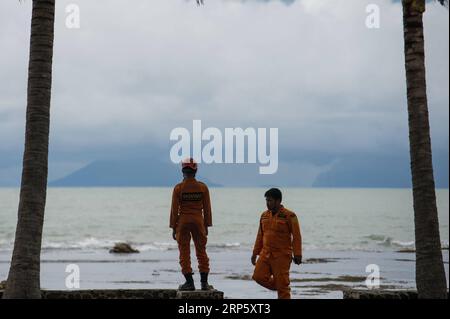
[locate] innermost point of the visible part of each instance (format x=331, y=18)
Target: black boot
x=189, y=284
x=204, y=281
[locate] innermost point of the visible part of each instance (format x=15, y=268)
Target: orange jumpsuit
x=278, y=239
x=190, y=214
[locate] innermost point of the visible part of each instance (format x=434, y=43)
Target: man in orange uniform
x=278, y=242
x=190, y=217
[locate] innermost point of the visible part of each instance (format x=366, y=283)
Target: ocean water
x=331, y=219
x=344, y=231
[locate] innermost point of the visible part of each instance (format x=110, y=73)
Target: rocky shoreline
x=380, y=294
x=130, y=294
x=198, y=294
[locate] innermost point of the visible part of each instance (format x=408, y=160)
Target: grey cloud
x=134, y=72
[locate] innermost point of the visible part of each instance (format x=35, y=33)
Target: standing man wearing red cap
x=190, y=217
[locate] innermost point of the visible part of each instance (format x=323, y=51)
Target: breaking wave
x=390, y=242
x=373, y=242
x=93, y=243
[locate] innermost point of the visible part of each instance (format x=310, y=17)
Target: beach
x=323, y=275
x=344, y=231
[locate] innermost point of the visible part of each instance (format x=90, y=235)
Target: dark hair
x=274, y=193
x=188, y=171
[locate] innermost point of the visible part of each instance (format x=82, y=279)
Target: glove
x=297, y=260
x=254, y=260
x=174, y=234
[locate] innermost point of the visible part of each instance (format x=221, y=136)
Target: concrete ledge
x=199, y=294
x=380, y=294
x=130, y=294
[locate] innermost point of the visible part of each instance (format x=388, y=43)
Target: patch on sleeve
x=192, y=197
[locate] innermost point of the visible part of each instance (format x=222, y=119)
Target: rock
x=407, y=250
x=350, y=293
x=2, y=285
x=200, y=294
x=123, y=248
x=110, y=294
x=130, y=294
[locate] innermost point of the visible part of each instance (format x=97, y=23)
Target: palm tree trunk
x=24, y=274
x=430, y=273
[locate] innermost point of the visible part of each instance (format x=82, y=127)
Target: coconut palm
x=24, y=273
x=430, y=273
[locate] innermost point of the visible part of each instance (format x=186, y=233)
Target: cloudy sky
x=136, y=70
